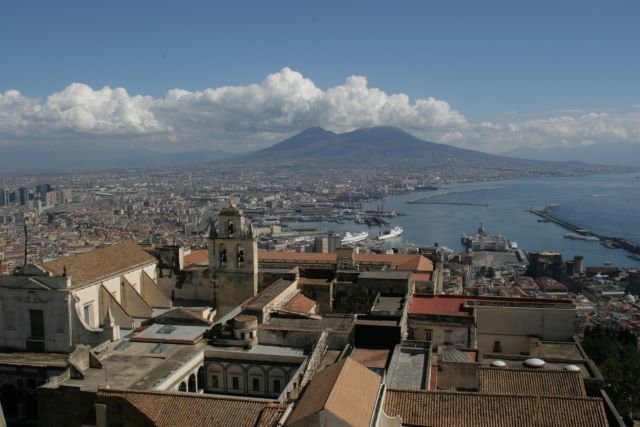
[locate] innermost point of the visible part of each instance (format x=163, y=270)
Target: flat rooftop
x=257, y=352
x=137, y=365
x=179, y=334
x=409, y=368
x=387, y=303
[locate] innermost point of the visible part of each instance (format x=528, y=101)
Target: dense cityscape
x=60, y=223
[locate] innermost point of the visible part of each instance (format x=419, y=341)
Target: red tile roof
x=531, y=382
x=438, y=305
x=417, y=263
x=100, y=264
x=300, y=304
x=346, y=389
x=454, y=304
x=179, y=409
x=199, y=257
x=371, y=357
x=428, y=408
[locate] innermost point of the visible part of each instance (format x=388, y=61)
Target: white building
x=80, y=299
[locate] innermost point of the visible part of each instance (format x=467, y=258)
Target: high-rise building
x=4, y=196
x=23, y=194
x=42, y=189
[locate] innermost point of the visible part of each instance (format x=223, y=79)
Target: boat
x=575, y=236
x=353, y=238
x=390, y=234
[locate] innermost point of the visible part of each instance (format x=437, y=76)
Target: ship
x=353, y=238
x=575, y=236
x=390, y=234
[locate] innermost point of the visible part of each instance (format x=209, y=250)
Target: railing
x=316, y=357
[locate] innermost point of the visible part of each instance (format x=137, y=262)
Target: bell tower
x=233, y=260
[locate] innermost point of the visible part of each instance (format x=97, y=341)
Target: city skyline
x=492, y=77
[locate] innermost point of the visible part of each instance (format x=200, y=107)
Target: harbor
x=583, y=234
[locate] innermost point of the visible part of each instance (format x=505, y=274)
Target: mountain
x=31, y=159
x=377, y=146
x=612, y=154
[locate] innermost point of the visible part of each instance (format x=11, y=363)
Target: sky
x=241, y=75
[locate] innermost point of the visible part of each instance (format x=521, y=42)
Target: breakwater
x=607, y=241
x=428, y=202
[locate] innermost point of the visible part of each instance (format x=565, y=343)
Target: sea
x=605, y=204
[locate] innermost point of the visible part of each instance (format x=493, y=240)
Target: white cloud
x=78, y=109
x=285, y=102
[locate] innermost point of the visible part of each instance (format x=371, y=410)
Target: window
x=497, y=347
x=235, y=383
x=255, y=385
x=36, y=318
x=240, y=256
x=428, y=334
x=223, y=256
x=447, y=336
x=276, y=386
x=86, y=313
x=215, y=382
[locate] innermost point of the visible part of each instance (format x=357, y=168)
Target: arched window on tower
x=230, y=229
x=240, y=256
x=223, y=256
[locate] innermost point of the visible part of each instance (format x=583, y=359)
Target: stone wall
x=65, y=406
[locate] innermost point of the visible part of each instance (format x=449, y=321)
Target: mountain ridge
x=381, y=144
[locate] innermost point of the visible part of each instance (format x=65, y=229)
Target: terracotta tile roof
x=421, y=277
x=177, y=409
x=199, y=257
x=300, y=304
x=531, y=382
x=454, y=304
x=401, y=262
x=314, y=281
x=429, y=408
x=421, y=304
x=100, y=264
x=371, y=357
x=347, y=389
x=277, y=256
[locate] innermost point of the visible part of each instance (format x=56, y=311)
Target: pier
x=607, y=241
x=427, y=202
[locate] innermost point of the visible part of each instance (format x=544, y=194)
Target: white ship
x=394, y=232
x=353, y=238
